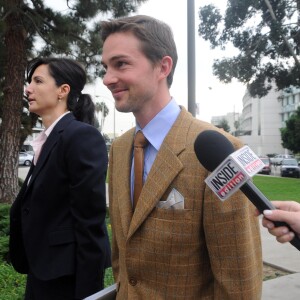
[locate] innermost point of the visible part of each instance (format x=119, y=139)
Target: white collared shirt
x=39, y=141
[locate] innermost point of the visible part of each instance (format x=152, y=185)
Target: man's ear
x=166, y=66
x=64, y=91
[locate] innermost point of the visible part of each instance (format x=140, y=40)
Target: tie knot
x=139, y=140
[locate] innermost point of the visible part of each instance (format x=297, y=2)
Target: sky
x=213, y=97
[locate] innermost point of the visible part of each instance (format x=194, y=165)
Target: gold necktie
x=140, y=142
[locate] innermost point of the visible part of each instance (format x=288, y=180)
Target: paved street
x=22, y=171
x=275, y=170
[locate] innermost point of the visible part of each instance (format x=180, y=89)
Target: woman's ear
x=64, y=91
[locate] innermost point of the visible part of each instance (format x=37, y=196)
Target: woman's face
x=42, y=92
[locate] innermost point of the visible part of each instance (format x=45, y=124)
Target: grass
x=108, y=279
x=278, y=188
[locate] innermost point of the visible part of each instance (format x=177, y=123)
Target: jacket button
x=132, y=281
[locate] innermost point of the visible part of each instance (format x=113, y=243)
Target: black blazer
x=57, y=223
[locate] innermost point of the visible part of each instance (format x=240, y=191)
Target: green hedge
x=12, y=284
x=4, y=230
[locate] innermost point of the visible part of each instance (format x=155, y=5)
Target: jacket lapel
x=122, y=162
x=166, y=167
x=49, y=144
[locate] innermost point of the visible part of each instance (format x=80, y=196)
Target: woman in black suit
x=58, y=234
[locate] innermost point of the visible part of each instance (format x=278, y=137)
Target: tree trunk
x=15, y=65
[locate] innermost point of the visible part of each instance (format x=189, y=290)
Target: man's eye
x=120, y=64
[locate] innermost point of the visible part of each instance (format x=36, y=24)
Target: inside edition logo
x=226, y=179
x=233, y=172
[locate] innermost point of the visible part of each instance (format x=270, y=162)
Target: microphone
x=231, y=171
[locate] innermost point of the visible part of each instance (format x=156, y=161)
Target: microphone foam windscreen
x=211, y=148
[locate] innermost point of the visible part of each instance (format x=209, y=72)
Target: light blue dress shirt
x=155, y=132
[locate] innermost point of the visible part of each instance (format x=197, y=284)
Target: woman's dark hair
x=68, y=71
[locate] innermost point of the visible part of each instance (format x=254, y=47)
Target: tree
x=290, y=135
x=101, y=107
x=237, y=125
x=267, y=35
x=224, y=125
x=73, y=32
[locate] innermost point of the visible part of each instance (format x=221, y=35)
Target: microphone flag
x=234, y=172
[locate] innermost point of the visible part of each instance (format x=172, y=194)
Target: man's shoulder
x=192, y=127
x=125, y=137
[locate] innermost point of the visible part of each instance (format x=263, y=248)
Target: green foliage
x=12, y=284
x=4, y=231
x=73, y=31
x=4, y=216
x=290, y=135
x=210, y=15
x=268, y=40
x=109, y=278
x=224, y=125
x=278, y=188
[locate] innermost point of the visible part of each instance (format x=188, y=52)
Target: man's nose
x=109, y=78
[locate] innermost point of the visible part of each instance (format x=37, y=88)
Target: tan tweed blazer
x=208, y=250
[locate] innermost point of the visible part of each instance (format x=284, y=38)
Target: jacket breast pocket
x=172, y=238
x=60, y=237
x=171, y=226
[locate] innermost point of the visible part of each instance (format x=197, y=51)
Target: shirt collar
x=157, y=129
x=50, y=128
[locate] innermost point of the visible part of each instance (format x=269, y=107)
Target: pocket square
x=174, y=201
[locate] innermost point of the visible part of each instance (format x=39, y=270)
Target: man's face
x=132, y=79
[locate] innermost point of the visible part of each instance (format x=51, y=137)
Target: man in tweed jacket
x=200, y=248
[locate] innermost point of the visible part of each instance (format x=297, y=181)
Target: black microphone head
x=211, y=148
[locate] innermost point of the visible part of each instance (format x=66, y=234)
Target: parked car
x=267, y=168
x=27, y=148
x=289, y=168
x=277, y=159
x=25, y=158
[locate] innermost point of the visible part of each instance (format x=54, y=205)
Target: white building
x=262, y=119
x=290, y=101
x=232, y=118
